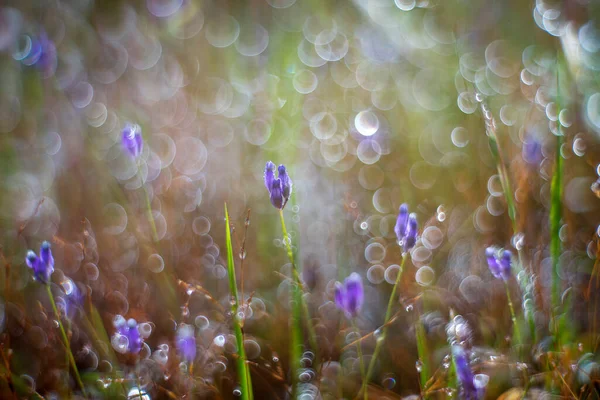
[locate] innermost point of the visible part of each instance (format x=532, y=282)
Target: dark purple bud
x=186, y=342
x=490, y=254
x=286, y=183
x=401, y=223
x=279, y=188
x=42, y=266
x=350, y=296
x=412, y=231
x=465, y=375
x=132, y=140
x=46, y=255
x=269, y=175
x=505, y=263
x=277, y=194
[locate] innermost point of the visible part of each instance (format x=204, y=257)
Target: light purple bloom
x=186, y=342
x=132, y=140
x=127, y=337
x=500, y=267
x=406, y=228
x=350, y=295
x=532, y=151
x=279, y=188
x=490, y=254
x=42, y=266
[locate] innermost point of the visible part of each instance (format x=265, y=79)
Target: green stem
x=381, y=338
x=242, y=366
x=513, y=316
x=297, y=307
x=65, y=341
x=423, y=354
x=359, y=350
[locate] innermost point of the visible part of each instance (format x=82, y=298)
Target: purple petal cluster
x=131, y=140
x=186, y=342
x=469, y=391
x=406, y=228
x=127, y=337
x=42, y=266
x=499, y=262
x=350, y=296
x=280, y=187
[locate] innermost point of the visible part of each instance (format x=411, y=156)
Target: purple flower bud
x=132, y=140
x=412, y=231
x=279, y=188
x=129, y=330
x=401, y=222
x=42, y=266
x=276, y=194
x=500, y=268
x=505, y=263
x=465, y=375
x=490, y=254
x=286, y=182
x=349, y=297
x=407, y=228
x=186, y=342
x=269, y=175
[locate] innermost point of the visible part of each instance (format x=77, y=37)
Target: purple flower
x=500, y=267
x=186, y=342
x=42, y=266
x=279, y=188
x=532, y=151
x=350, y=295
x=132, y=140
x=127, y=339
x=467, y=380
x=406, y=228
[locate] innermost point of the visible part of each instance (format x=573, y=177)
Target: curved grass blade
x=242, y=366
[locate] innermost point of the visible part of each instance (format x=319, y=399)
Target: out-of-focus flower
x=406, y=228
x=469, y=390
x=350, y=295
x=127, y=338
x=279, y=188
x=500, y=267
x=186, y=342
x=132, y=140
x=42, y=266
x=532, y=151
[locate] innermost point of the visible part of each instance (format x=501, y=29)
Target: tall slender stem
x=65, y=340
x=380, y=339
x=513, y=315
x=299, y=306
x=359, y=350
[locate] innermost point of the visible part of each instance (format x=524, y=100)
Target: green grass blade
x=556, y=211
x=242, y=367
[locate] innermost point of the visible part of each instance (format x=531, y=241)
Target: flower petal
x=269, y=175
